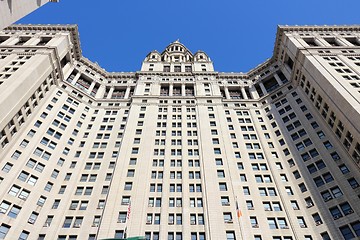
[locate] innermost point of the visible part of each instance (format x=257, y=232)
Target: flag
x=127, y=217
x=128, y=211
x=238, y=211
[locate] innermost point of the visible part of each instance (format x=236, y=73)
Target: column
x=253, y=92
x=317, y=42
x=127, y=93
x=76, y=78
x=33, y=41
x=183, y=90
x=278, y=79
x=101, y=91
x=110, y=93
x=67, y=69
x=171, y=86
x=227, y=94
x=92, y=85
x=243, y=92
x=11, y=41
x=263, y=89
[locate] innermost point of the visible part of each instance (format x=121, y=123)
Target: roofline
x=74, y=32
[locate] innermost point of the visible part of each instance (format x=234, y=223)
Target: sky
x=236, y=34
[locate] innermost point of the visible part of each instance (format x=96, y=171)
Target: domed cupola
x=176, y=52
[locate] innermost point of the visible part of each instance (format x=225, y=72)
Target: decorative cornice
x=281, y=31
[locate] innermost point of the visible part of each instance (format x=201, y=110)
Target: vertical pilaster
x=243, y=92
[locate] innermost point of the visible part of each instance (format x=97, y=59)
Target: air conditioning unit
x=295, y=208
x=302, y=225
x=229, y=221
x=193, y=222
x=31, y=221
x=284, y=227
x=226, y=204
x=171, y=223
x=150, y=205
x=349, y=211
x=148, y=222
x=318, y=223
x=267, y=209
x=309, y=205
x=22, y=197
x=250, y=208
x=95, y=225
x=178, y=205
x=72, y=208
x=255, y=226
x=3, y=211
x=121, y=220
x=328, y=198
x=77, y=225
x=46, y=225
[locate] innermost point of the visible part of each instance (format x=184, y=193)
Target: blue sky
x=236, y=34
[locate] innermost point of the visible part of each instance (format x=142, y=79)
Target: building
x=178, y=150
x=13, y=10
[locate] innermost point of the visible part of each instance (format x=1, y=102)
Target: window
x=56, y=204
x=346, y=232
x=344, y=169
x=4, y=206
x=7, y=167
x=356, y=227
x=227, y=217
x=67, y=222
x=353, y=183
x=41, y=201
x=272, y=223
x=336, y=192
x=335, y=212
x=16, y=155
x=301, y=222
x=222, y=187
x=33, y=217
x=4, y=230
x=246, y=190
x=276, y=206
x=88, y=190
x=230, y=235
x=346, y=208
x=48, y=186
x=14, y=211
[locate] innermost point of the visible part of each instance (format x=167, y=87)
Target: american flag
x=238, y=211
x=128, y=211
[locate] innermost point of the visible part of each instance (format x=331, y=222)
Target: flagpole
x=239, y=215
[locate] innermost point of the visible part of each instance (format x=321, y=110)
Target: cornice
x=281, y=31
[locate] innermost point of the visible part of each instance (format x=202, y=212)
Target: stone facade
x=181, y=142
x=13, y=10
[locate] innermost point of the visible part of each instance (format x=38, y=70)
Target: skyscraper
x=13, y=10
x=178, y=150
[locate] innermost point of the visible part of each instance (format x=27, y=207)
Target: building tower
x=192, y=153
x=13, y=10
